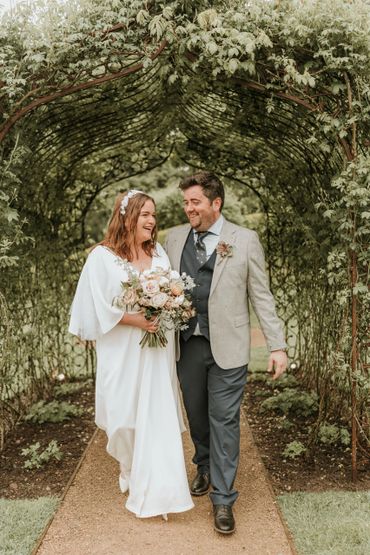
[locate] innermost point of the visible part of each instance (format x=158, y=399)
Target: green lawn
x=330, y=523
x=22, y=522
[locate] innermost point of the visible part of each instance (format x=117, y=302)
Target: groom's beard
x=201, y=223
x=195, y=221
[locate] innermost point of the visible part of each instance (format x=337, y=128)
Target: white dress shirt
x=210, y=241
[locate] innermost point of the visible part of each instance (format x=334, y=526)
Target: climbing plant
x=273, y=95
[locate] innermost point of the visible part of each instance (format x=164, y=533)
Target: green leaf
x=212, y=47
x=233, y=65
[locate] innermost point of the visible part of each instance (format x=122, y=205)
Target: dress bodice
x=93, y=313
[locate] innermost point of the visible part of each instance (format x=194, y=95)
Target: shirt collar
x=216, y=227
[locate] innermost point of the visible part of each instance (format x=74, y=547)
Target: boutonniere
x=224, y=250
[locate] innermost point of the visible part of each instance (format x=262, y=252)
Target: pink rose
x=177, y=288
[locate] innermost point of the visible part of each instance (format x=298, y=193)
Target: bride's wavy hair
x=121, y=233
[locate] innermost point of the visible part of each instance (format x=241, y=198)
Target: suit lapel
x=228, y=236
x=178, y=246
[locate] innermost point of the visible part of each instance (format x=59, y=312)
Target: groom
x=227, y=264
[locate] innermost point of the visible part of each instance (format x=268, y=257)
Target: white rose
x=177, y=301
x=159, y=300
x=150, y=287
x=163, y=281
x=174, y=274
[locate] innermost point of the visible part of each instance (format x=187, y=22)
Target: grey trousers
x=212, y=399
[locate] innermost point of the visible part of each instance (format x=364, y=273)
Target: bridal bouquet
x=160, y=293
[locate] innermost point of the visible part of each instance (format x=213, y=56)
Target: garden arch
x=272, y=95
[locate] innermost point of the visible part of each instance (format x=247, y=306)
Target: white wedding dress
x=137, y=397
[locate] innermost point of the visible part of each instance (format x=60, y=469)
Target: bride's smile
x=146, y=223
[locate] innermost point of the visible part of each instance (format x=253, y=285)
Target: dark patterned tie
x=200, y=247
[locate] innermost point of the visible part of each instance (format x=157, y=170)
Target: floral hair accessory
x=225, y=250
x=126, y=199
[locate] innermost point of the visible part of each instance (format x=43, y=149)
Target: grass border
x=65, y=491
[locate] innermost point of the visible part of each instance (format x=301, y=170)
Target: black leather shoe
x=200, y=484
x=224, y=520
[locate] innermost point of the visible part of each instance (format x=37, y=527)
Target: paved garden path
x=92, y=519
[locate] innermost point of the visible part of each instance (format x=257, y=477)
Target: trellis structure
x=273, y=95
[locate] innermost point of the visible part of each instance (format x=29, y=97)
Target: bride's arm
x=138, y=320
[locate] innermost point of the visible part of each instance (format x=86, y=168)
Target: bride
x=137, y=402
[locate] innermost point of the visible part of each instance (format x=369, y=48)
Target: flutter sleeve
x=92, y=311
x=161, y=257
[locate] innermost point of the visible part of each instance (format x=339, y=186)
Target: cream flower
x=163, y=281
x=150, y=287
x=178, y=300
x=159, y=300
x=130, y=297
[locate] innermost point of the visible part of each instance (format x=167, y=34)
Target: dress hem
x=167, y=511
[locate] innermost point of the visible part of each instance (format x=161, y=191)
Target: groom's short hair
x=210, y=183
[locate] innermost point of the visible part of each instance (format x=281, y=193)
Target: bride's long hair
x=121, y=233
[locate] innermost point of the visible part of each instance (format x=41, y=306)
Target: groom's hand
x=278, y=362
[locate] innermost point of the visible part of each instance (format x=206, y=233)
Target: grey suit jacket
x=235, y=280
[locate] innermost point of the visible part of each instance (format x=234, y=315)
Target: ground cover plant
x=36, y=457
x=283, y=431
x=53, y=411
x=39, y=459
